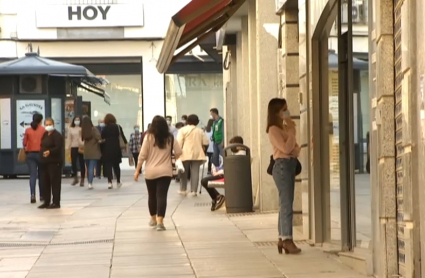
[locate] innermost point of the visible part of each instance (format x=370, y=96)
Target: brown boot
x=290, y=247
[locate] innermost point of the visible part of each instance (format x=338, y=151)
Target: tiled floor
x=104, y=233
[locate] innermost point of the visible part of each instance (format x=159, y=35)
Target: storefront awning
x=192, y=24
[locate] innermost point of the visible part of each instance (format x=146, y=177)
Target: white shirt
x=211, y=145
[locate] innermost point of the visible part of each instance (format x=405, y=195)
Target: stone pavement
x=104, y=233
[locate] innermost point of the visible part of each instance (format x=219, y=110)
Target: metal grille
x=274, y=243
x=398, y=113
x=202, y=204
x=248, y=214
x=19, y=245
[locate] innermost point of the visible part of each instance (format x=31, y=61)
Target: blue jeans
x=218, y=150
x=284, y=178
x=33, y=161
x=91, y=165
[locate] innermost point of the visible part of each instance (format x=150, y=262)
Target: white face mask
x=168, y=122
x=286, y=114
x=77, y=123
x=184, y=122
x=49, y=128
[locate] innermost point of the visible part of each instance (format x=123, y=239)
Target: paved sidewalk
x=104, y=233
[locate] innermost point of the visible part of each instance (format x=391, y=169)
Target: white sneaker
x=90, y=186
x=193, y=194
x=182, y=192
x=119, y=184
x=109, y=185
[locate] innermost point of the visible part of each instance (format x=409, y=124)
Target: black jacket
x=111, y=151
x=55, y=144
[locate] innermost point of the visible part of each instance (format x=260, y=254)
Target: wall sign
x=6, y=125
x=76, y=16
x=24, y=111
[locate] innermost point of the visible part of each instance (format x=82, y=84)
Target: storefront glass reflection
x=193, y=94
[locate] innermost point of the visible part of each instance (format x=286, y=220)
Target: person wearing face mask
x=184, y=119
x=217, y=136
x=75, y=145
x=172, y=128
x=135, y=144
x=99, y=165
x=51, y=158
x=282, y=135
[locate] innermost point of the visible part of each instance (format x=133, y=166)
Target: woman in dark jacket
x=112, y=151
x=51, y=158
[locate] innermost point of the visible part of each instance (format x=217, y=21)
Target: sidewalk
x=104, y=233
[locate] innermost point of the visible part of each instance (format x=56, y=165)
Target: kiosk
x=33, y=84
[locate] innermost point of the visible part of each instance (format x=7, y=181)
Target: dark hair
x=179, y=125
x=36, y=120
x=160, y=130
x=192, y=120
x=273, y=119
x=73, y=120
x=168, y=117
x=214, y=110
x=184, y=117
x=209, y=125
x=236, y=140
x=109, y=119
x=86, y=129
x=50, y=120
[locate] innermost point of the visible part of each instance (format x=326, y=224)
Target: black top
x=111, y=151
x=53, y=143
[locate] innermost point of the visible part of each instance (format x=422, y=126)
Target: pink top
x=284, y=142
x=32, y=139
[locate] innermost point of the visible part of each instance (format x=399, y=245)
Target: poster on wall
x=57, y=113
x=25, y=109
x=6, y=128
x=69, y=115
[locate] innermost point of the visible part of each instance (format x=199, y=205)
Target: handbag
x=173, y=159
x=22, y=155
x=122, y=143
x=298, y=167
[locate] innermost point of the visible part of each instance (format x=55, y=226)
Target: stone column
x=153, y=92
x=266, y=30
x=244, y=100
x=383, y=143
x=290, y=87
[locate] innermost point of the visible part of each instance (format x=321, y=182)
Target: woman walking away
x=193, y=142
x=32, y=143
x=51, y=154
x=75, y=145
x=91, y=137
x=156, y=151
x=281, y=131
x=210, y=150
x=112, y=149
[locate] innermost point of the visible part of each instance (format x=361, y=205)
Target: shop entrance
x=341, y=106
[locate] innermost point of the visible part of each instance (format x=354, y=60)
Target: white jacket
x=191, y=140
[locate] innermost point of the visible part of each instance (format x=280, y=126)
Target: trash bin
x=238, y=182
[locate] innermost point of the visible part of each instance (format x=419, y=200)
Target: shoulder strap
x=172, y=145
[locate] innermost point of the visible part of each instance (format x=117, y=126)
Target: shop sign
x=25, y=109
x=77, y=16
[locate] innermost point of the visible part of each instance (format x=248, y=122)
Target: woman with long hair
x=210, y=150
x=282, y=136
x=74, y=145
x=91, y=137
x=51, y=157
x=156, y=151
x=112, y=150
x=192, y=141
x=32, y=144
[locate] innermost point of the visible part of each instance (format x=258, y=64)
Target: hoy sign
x=77, y=16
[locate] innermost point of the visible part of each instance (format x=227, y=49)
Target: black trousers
x=157, y=191
x=100, y=169
x=52, y=182
x=210, y=156
x=77, y=157
x=136, y=161
x=108, y=167
x=212, y=191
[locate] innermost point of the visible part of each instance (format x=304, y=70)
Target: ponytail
x=36, y=120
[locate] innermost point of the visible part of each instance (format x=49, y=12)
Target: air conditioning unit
x=355, y=11
x=30, y=84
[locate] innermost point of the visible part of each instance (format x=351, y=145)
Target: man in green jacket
x=217, y=136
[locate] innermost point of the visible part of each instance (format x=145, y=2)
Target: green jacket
x=218, y=131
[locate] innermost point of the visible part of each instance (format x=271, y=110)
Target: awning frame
x=176, y=38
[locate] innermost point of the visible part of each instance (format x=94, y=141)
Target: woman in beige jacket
x=193, y=142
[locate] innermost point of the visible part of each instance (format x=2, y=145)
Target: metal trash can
x=238, y=182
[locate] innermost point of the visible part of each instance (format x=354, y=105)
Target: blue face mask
x=102, y=124
x=50, y=128
x=77, y=123
x=136, y=130
x=286, y=114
